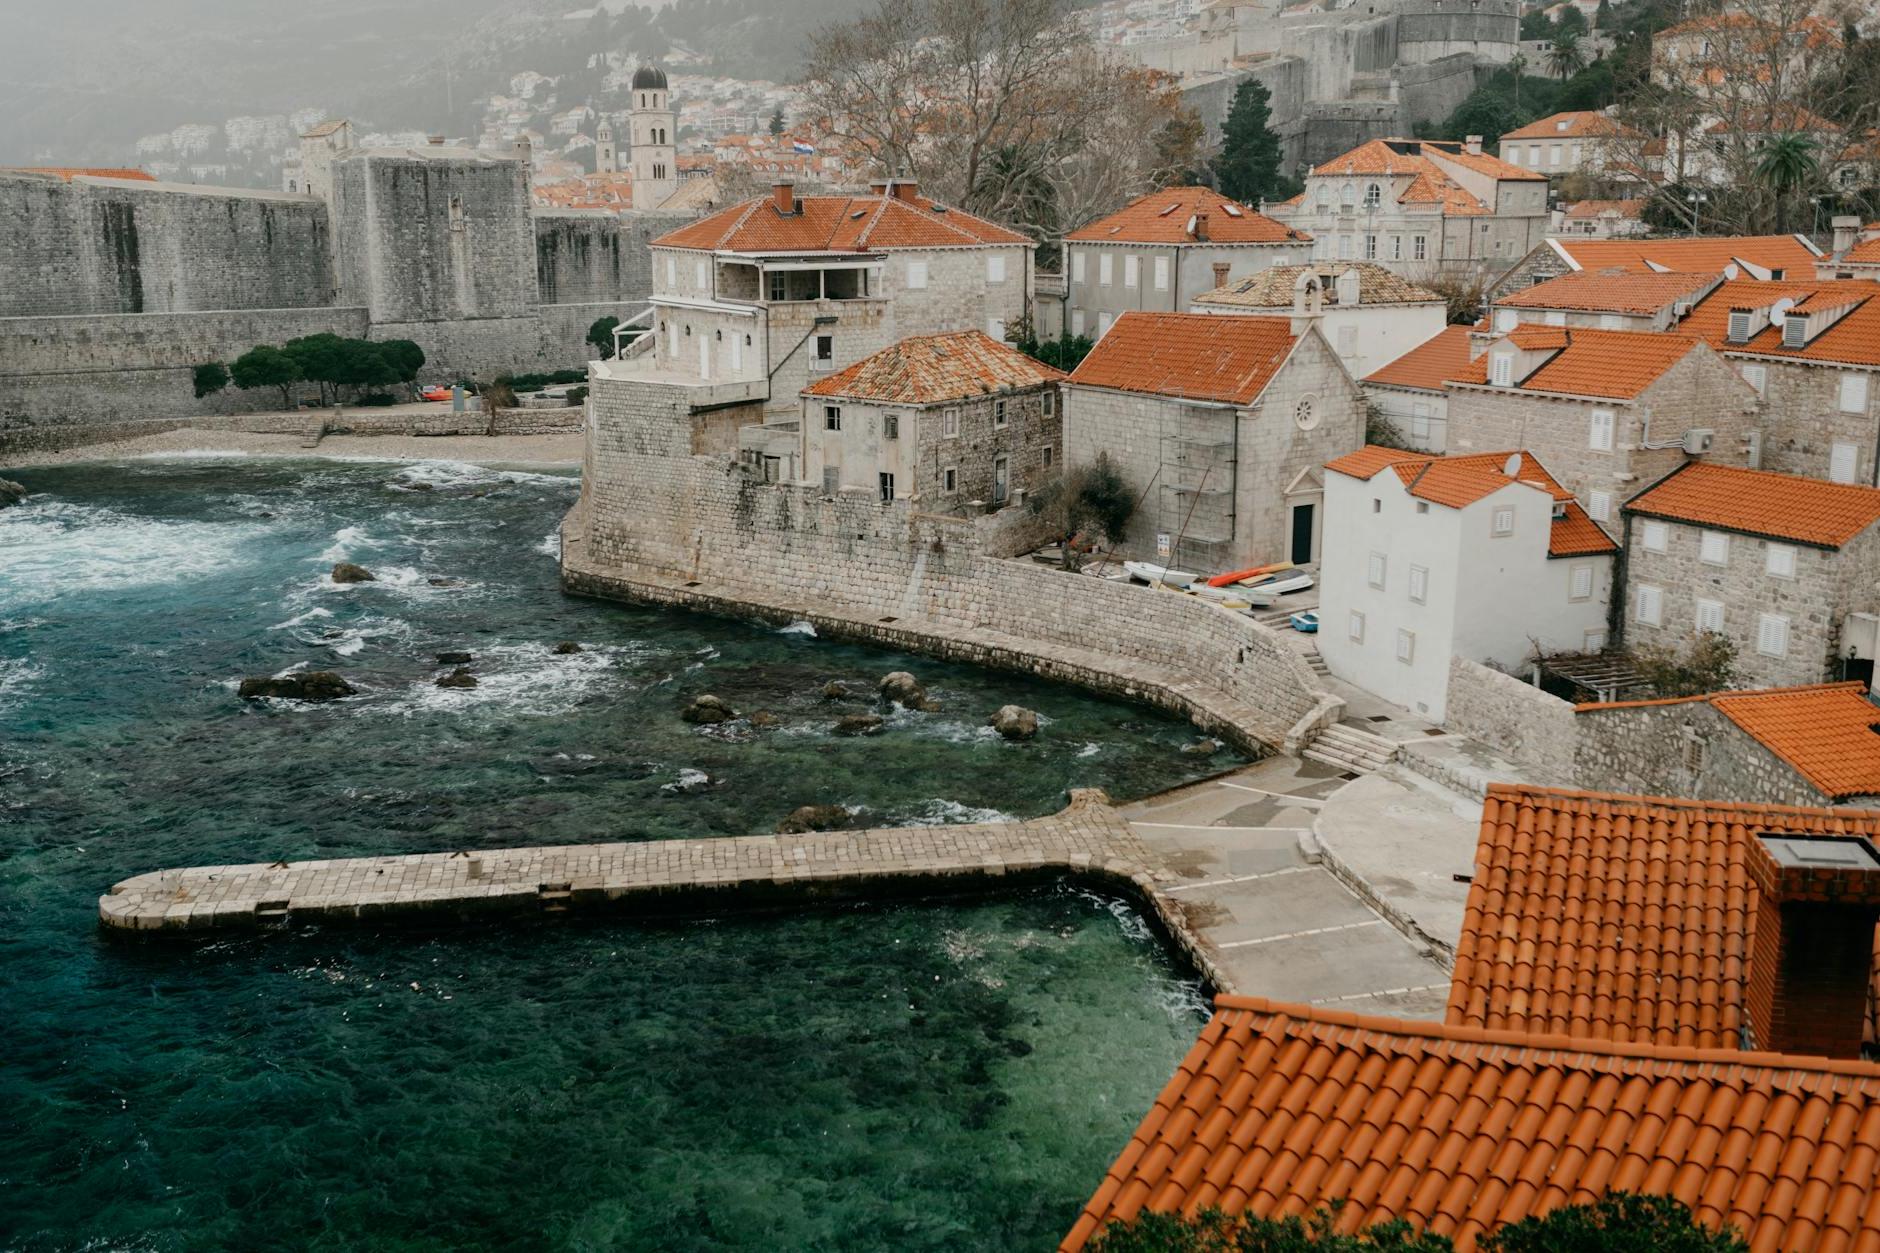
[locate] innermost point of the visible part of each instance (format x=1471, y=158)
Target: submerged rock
x=708, y=708
x=689, y=781
x=814, y=818
x=1202, y=748
x=347, y=572
x=434, y=582
x=304, y=685
x=454, y=659
x=460, y=677
x=763, y=719
x=567, y=648
x=11, y=493
x=1014, y=722
x=903, y=689
x=836, y=689
x=859, y=724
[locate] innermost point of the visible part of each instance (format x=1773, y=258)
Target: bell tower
x=606, y=156
x=653, y=123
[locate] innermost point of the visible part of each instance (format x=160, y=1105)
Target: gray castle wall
x=117, y=246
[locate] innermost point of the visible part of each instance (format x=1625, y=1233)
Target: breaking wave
x=50, y=547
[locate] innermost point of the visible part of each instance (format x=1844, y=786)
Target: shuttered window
x=995, y=267
x=1599, y=505
x=1161, y=273
x=1713, y=549
x=1841, y=463
x=1419, y=584
x=1853, y=393
x=1077, y=267
x=1779, y=560
x=1656, y=537
x=1106, y=269
x=1772, y=635
x=1649, y=608
x=1600, y=435
x=1581, y=587
x=1710, y=616
x=916, y=275
x=1376, y=576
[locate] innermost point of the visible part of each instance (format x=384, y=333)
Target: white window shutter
x=1714, y=548
x=1582, y=582
x=1772, y=635
x=1657, y=537
x=1504, y=369
x=1077, y=267
x=1710, y=616
x=1106, y=268
x=1161, y=273
x=1599, y=505
x=1648, y=607
x=995, y=267
x=916, y=275
x=1779, y=560
x=1853, y=393
x=1601, y=431
x=1841, y=463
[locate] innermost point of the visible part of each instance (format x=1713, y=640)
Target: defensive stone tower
x=653, y=123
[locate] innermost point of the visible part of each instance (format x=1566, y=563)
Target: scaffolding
x=1195, y=508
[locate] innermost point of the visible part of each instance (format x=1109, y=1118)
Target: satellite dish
x=1512, y=467
x=1781, y=307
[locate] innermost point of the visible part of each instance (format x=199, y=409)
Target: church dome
x=649, y=77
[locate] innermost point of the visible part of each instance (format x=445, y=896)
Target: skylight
x=1232, y=210
x=1168, y=210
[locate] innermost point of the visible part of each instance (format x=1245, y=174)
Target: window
x=1534, y=154
x=891, y=426
x=1772, y=635
x=887, y=488
x=950, y=478
x=998, y=413
x=1354, y=627
x=1841, y=463
x=1710, y=616
x=1077, y=267
x=1599, y=506
x=1420, y=419
x=1396, y=247
x=1553, y=154
x=1693, y=752
x=1049, y=456
x=1504, y=369
x=1656, y=537
x=832, y=418
x=1001, y=480
x=1373, y=196
x=1104, y=319
x=1649, y=607
x=701, y=275
x=672, y=271
x=1132, y=270
x=1106, y=266
x=950, y=424
x=1377, y=506
x=1406, y=646
x=1741, y=320
x=1419, y=247
x=1344, y=247
x=1347, y=197
x=1580, y=582
x=995, y=330
x=1077, y=322
x=1503, y=523
x=1757, y=376
x=1161, y=273
x=1376, y=575
x=1779, y=561
x=1599, y=435
x=1514, y=154
x=778, y=288
x=916, y=275
x=1050, y=404
x=1423, y=506
x=995, y=267
x=1713, y=548
x=1592, y=641
x=1853, y=393
x=1419, y=585
x=825, y=349
x=1370, y=247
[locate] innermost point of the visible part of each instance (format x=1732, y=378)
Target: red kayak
x=1253, y=572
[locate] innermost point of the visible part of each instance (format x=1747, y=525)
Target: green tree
x=265, y=366
x=406, y=357
x=1787, y=164
x=1618, y=1222
x=1566, y=58
x=601, y=335
x=211, y=377
x=1707, y=665
x=1084, y=505
x=776, y=121
x=1570, y=22
x=1248, y=167
x=1063, y=353
x=361, y=364
x=322, y=359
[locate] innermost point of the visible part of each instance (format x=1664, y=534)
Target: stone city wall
x=658, y=524
x=1510, y=715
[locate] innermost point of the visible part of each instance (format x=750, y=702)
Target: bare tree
x=870, y=82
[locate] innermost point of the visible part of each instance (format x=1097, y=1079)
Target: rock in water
x=814, y=818
x=347, y=572
x=859, y=724
x=305, y=685
x=903, y=689
x=11, y=493
x=708, y=709
x=567, y=648
x=764, y=719
x=1014, y=722
x=836, y=689
x=460, y=677
x=454, y=659
x=1202, y=748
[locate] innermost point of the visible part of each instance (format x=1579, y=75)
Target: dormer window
x=1561, y=125
x=1795, y=331
x=1739, y=326
x=1503, y=373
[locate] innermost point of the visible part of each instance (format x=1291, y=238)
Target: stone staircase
x=1347, y=748
x=1316, y=660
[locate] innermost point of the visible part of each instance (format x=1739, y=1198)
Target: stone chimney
x=1221, y=271
x=783, y=196
x=1846, y=234
x=1200, y=229
x=1811, y=962
x=1472, y=145
x=904, y=189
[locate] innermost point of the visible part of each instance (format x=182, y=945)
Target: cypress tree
x=1248, y=167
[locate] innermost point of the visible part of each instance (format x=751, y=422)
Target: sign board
x=1163, y=544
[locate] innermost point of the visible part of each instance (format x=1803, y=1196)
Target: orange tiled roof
x=70, y=172
x=1580, y=124
x=1163, y=217
x=1457, y=482
x=1484, y=162
x=1607, y=364
x=1194, y=355
x=1853, y=340
x=1785, y=253
x=933, y=369
x=1867, y=252
x=838, y=224
x=1430, y=364
x=1597, y=208
x=1760, y=502
x=1281, y=1109
x=1616, y=291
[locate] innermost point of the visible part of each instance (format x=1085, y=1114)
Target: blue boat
x=1306, y=621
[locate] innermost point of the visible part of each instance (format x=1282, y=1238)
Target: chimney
x=1308, y=301
x=1811, y=963
x=1221, y=269
x=1846, y=233
x=783, y=196
x=1201, y=226
x=1473, y=145
x=904, y=189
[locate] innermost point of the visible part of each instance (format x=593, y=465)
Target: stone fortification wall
x=106, y=246
x=1511, y=715
x=657, y=523
x=588, y=255
x=1429, y=29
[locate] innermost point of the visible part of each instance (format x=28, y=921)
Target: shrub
x=577, y=395
x=211, y=377
x=376, y=400
x=1087, y=499
x=601, y=335
x=267, y=367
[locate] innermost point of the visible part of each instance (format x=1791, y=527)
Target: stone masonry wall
x=1512, y=715
x=588, y=256
x=654, y=516
x=1651, y=749
x=1803, y=421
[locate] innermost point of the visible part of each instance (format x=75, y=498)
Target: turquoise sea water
x=916, y=1076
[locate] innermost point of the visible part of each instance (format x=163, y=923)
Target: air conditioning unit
x=1698, y=441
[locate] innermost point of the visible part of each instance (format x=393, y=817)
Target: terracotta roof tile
x=1280, y=1109
x=933, y=369
x=1853, y=340
x=1272, y=288
x=1617, y=291
x=838, y=224
x=1430, y=364
x=1622, y=918
x=1761, y=502
x=1826, y=732
x=1164, y=217
x=1579, y=124
x=1598, y=208
x=1577, y=535
x=1195, y=355
x=1867, y=252
x=1457, y=482
x=1587, y=362
x=1788, y=254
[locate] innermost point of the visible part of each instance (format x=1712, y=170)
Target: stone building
x=1161, y=250
x=653, y=136
x=950, y=422
x=1605, y=411
x=1606, y=300
x=1575, y=142
x=1421, y=207
x=1370, y=315
x=1604, y=219
x=1224, y=424
x=1483, y=557
x=1786, y=568
x=1733, y=256
x=1856, y=252
x=1411, y=393
x=606, y=152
